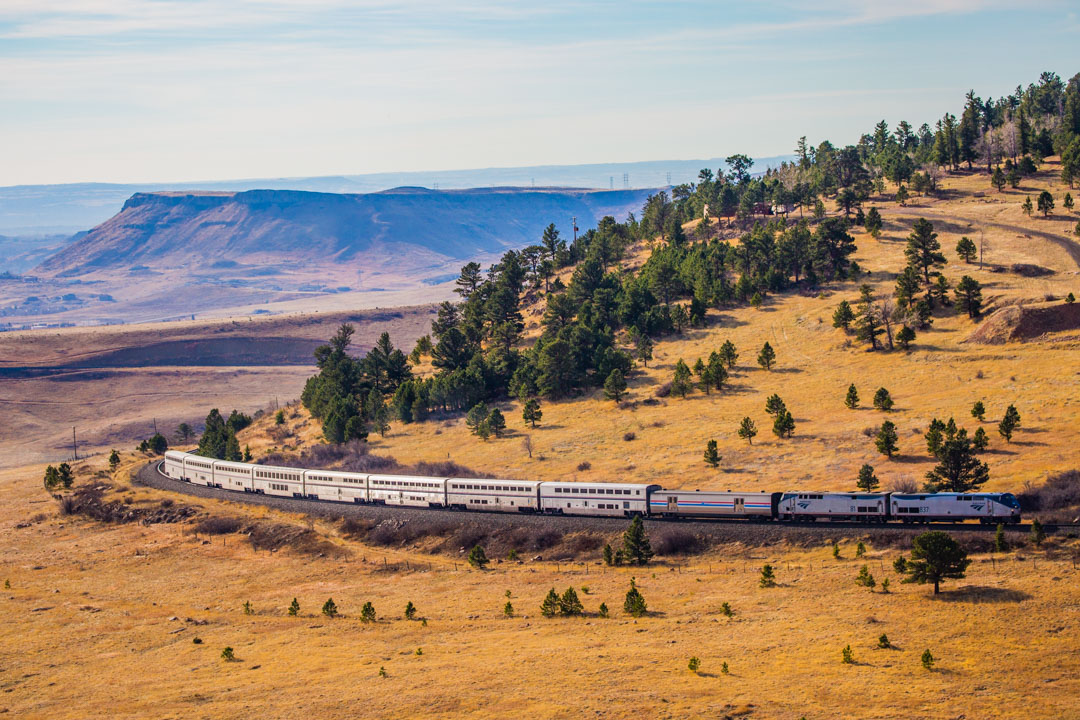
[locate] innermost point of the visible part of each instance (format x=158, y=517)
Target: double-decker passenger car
x=495, y=495
x=577, y=498
x=199, y=470
x=174, y=464
x=697, y=503
x=407, y=490
x=281, y=481
x=939, y=507
x=810, y=506
x=234, y=475
x=336, y=486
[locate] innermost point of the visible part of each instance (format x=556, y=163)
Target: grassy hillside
x=941, y=376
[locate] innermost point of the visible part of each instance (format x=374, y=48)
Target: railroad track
x=151, y=475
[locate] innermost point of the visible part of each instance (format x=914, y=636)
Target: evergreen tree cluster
x=219, y=437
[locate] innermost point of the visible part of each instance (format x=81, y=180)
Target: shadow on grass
x=983, y=594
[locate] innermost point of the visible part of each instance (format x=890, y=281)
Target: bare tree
x=526, y=444
x=886, y=312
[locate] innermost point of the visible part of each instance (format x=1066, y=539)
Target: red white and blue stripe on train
x=585, y=498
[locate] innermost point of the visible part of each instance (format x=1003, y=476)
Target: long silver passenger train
x=588, y=498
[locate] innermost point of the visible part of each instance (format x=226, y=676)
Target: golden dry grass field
x=102, y=622
x=101, y=619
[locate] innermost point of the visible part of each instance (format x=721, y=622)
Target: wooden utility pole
x=74, y=445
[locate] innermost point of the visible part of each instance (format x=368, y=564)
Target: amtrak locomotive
x=584, y=498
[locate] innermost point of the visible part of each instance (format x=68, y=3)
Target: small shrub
x=512, y=556
x=410, y=610
x=835, y=550
x=634, y=604
x=724, y=668
x=865, y=579
x=248, y=610
x=860, y=549
x=329, y=608
x=382, y=672
x=294, y=608
x=883, y=642
x=885, y=586
x=900, y=565
x=196, y=640
x=928, y=659
x=508, y=609
x=663, y=390
x=726, y=610
x=367, y=613
x=1038, y=535
x=768, y=577
x=694, y=664
x=1001, y=545
x=629, y=436
x=419, y=652
x=478, y=558
x=227, y=654
x=846, y=656
x=603, y=610
x=584, y=465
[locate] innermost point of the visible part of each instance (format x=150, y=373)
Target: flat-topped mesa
x=188, y=229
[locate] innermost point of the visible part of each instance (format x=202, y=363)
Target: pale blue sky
x=172, y=90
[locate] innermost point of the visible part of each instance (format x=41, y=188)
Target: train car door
x=740, y=506
x=672, y=504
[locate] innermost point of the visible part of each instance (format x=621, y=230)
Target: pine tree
x=886, y=439
x=532, y=413
x=508, y=609
x=865, y=579
x=1046, y=203
x=294, y=608
x=550, y=606
x=873, y=222
x=969, y=296
x=680, y=383
x=1001, y=545
x=867, y=481
x=843, y=316
x=851, y=400
x=694, y=664
x=978, y=411
x=367, y=613
x=928, y=657
x=774, y=405
x=728, y=354
x=634, y=604
x=1038, y=535
x=329, y=608
x=902, y=195
x=747, y=430
x=882, y=400
x=923, y=249
x=997, y=179
x=478, y=558
x=569, y=604
x=869, y=326
x=768, y=577
x=1027, y=206
x=935, y=437
x=935, y=556
x=715, y=369
x=114, y=460
x=1009, y=423
x=980, y=440
x=496, y=422
x=609, y=556
x=958, y=469
x=783, y=425
x=712, y=456
x=908, y=285
x=636, y=547
x=767, y=357
x=883, y=642
x=615, y=385
x=905, y=337
x=410, y=610
x=228, y=655
x=65, y=476
x=603, y=610
x=966, y=249
x=1068, y=203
